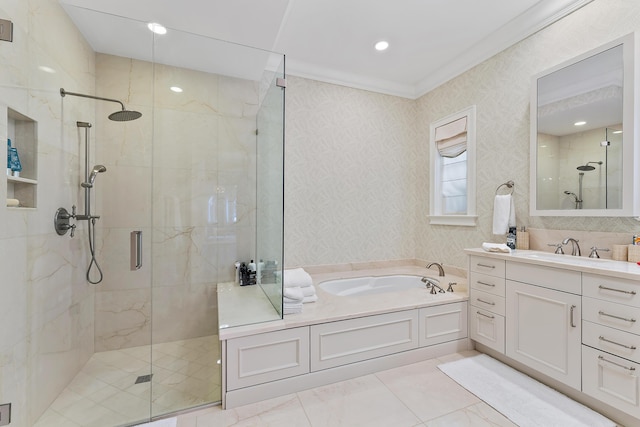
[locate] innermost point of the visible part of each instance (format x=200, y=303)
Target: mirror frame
x=630, y=144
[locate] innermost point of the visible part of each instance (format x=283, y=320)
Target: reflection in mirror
x=575, y=106
x=578, y=145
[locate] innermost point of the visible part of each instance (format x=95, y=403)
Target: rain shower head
x=92, y=178
x=123, y=115
x=587, y=167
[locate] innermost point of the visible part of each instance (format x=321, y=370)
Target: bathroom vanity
x=341, y=337
x=573, y=319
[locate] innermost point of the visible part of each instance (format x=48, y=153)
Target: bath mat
x=525, y=401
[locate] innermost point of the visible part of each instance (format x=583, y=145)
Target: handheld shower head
x=92, y=178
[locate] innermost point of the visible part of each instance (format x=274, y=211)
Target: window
x=452, y=153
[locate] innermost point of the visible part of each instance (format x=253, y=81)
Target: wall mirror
x=584, y=153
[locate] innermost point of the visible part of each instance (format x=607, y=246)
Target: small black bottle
x=511, y=237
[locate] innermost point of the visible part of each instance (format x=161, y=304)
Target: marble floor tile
x=359, y=401
x=478, y=415
x=424, y=389
x=104, y=392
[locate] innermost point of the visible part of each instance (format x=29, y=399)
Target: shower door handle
x=136, y=250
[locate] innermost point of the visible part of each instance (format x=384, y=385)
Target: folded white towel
x=292, y=310
x=293, y=294
x=296, y=277
x=504, y=213
x=292, y=307
x=308, y=291
x=312, y=298
x=496, y=247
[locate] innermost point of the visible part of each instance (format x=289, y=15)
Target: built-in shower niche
x=23, y=133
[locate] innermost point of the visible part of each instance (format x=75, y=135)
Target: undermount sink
x=564, y=259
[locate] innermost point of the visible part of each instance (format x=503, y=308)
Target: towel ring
x=508, y=184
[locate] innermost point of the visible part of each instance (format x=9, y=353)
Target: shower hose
x=92, y=249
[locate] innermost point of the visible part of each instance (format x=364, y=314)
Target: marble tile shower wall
x=187, y=179
x=46, y=309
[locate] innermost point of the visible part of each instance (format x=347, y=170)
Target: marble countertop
x=330, y=308
x=608, y=267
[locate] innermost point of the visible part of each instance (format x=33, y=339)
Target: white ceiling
x=431, y=41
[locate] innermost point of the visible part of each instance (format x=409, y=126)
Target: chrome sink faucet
x=575, y=248
x=440, y=269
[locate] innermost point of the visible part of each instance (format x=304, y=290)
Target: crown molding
x=543, y=14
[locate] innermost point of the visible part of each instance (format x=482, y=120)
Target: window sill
x=462, y=220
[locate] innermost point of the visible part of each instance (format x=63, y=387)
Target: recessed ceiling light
x=176, y=89
x=382, y=45
x=46, y=69
x=580, y=123
x=157, y=28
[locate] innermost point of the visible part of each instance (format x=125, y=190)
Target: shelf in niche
x=23, y=132
x=22, y=180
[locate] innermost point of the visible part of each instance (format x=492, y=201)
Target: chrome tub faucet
x=440, y=269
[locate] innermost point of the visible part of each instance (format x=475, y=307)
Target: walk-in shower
x=62, y=216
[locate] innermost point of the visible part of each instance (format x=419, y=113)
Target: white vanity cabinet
x=487, y=301
x=543, y=320
x=611, y=341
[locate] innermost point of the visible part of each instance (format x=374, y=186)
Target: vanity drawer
x=486, y=301
x=624, y=291
x=614, y=341
x=611, y=380
x=487, y=283
x=491, y=266
x=486, y=328
x=547, y=277
x=614, y=315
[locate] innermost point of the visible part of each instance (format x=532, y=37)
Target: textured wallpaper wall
x=500, y=88
x=350, y=171
x=356, y=169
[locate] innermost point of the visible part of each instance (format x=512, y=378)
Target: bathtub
x=371, y=285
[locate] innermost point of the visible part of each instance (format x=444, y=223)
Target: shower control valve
x=61, y=221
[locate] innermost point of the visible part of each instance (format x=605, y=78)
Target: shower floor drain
x=143, y=379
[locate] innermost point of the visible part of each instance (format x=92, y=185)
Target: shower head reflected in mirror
x=123, y=115
x=587, y=167
x=92, y=178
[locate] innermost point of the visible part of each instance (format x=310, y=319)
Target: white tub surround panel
x=346, y=336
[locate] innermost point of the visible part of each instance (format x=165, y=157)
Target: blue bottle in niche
x=8, y=157
x=16, y=166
